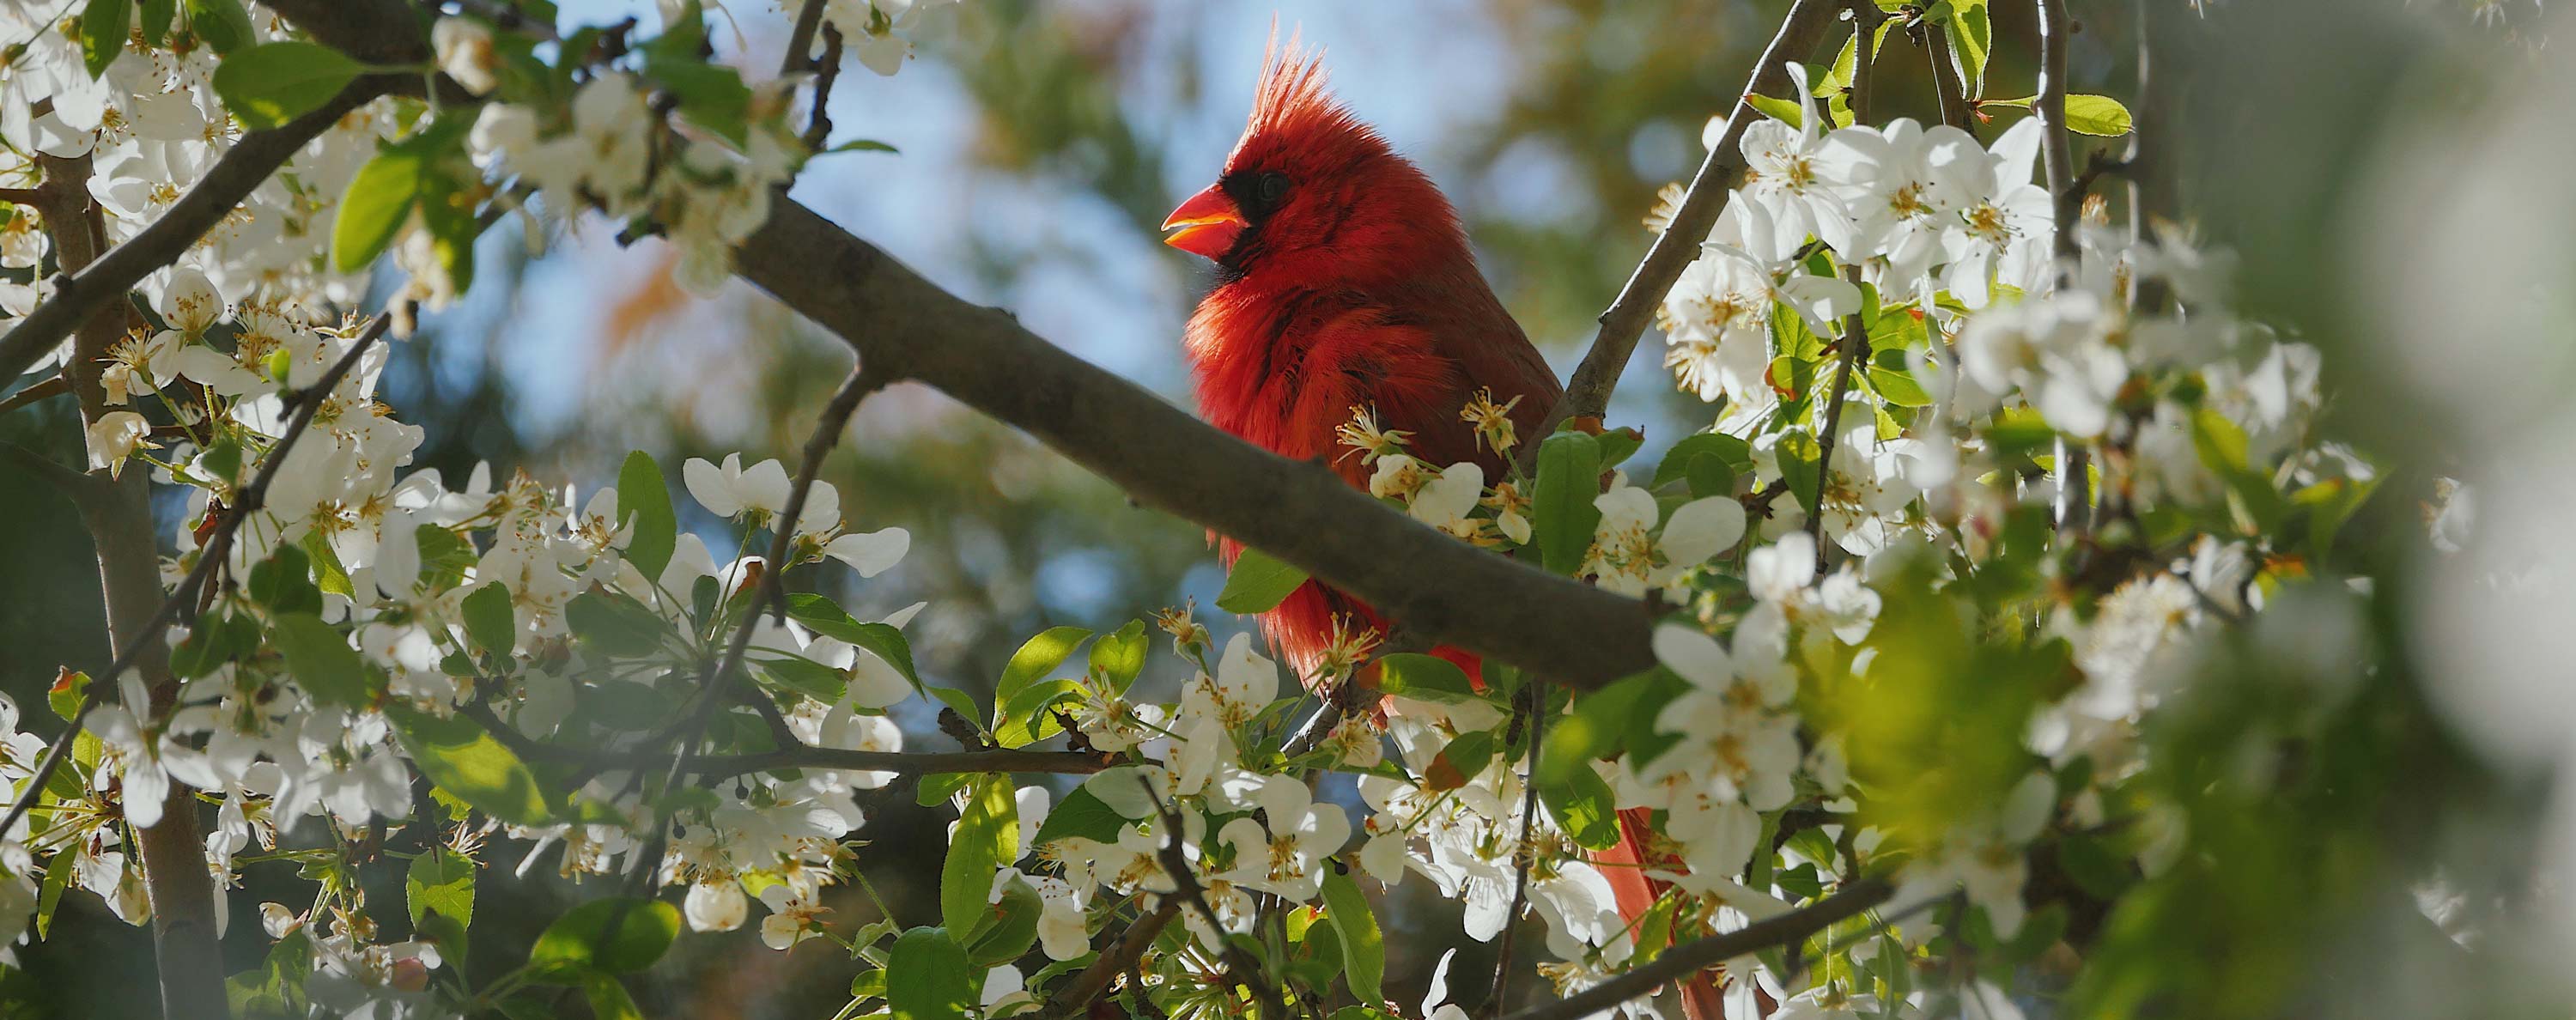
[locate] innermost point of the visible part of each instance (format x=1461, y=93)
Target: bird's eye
x=1272, y=187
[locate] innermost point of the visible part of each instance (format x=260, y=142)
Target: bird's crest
x=1293, y=100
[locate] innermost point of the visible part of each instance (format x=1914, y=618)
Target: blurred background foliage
x=1042, y=142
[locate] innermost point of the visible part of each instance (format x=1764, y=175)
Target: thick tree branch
x=251, y=161
x=1588, y=393
x=1690, y=958
x=1445, y=590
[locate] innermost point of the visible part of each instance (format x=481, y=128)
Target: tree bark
x=118, y=515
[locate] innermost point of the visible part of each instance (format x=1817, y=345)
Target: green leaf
x=1461, y=761
x=859, y=145
x=1785, y=111
x=827, y=618
x=1710, y=475
x=1009, y=928
x=321, y=660
x=1118, y=657
x=963, y=703
x=58, y=877
x=442, y=881
x=491, y=619
x=712, y=96
x=66, y=695
x=645, y=498
x=2085, y=114
x=1798, y=455
x=608, y=999
x=1036, y=658
x=1424, y=678
x=104, y=26
x=1584, y=805
x=927, y=977
x=1972, y=39
x=987, y=837
x=328, y=574
x=1080, y=814
x=1258, y=583
x=615, y=625
x=157, y=15
x=2097, y=115
x=1735, y=453
x=807, y=677
x=1363, y=946
x=937, y=787
x=581, y=941
x=457, y=755
x=1562, y=515
x=223, y=24
x=283, y=582
x=447, y=213
x=1617, y=445
x=375, y=207
x=269, y=84
x=1606, y=722
x=1898, y=387
x=1026, y=720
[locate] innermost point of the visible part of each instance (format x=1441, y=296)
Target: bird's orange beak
x=1206, y=225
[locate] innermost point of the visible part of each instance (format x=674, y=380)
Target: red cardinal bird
x=1344, y=280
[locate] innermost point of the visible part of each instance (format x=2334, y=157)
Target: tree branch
x=1689, y=958
x=80, y=487
x=250, y=162
x=1240, y=966
x=1445, y=590
x=1587, y=394
x=800, y=41
x=1077, y=996
x=51, y=387
x=1855, y=345
x=217, y=548
x=2074, y=507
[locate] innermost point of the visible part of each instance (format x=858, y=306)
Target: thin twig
x=1534, y=704
x=1240, y=966
x=1690, y=958
x=216, y=550
x=2074, y=509
x=818, y=122
x=1855, y=345
x=1866, y=21
x=51, y=387
x=1587, y=394
x=1121, y=955
x=800, y=41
